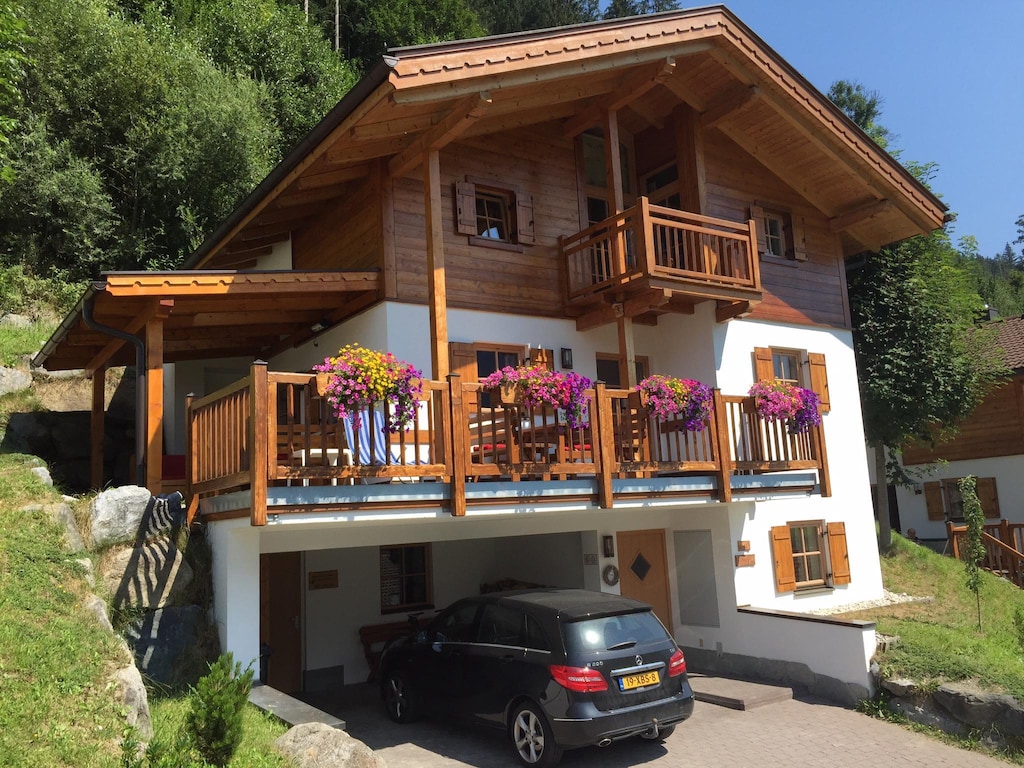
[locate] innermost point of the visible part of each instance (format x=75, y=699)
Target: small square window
x=774, y=229
x=493, y=215
x=405, y=578
x=786, y=366
x=808, y=554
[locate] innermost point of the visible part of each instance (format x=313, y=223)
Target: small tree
x=214, y=719
x=973, y=550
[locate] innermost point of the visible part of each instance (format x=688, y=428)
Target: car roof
x=569, y=603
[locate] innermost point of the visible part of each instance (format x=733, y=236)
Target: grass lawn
x=940, y=640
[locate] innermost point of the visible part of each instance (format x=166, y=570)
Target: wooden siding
x=541, y=163
x=349, y=235
x=806, y=292
x=994, y=429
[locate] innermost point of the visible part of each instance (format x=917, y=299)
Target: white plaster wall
x=280, y=257
x=1007, y=470
x=197, y=377
x=368, y=329
x=236, y=593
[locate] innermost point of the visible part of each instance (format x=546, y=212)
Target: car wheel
x=663, y=733
x=532, y=738
x=400, y=698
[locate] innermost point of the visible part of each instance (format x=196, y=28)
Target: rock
x=98, y=608
x=980, y=709
x=925, y=712
x=900, y=687
x=15, y=321
x=129, y=513
x=88, y=575
x=152, y=575
x=13, y=380
x=43, y=474
x=63, y=516
x=317, y=745
x=166, y=644
x=131, y=693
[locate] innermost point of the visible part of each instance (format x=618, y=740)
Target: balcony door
x=595, y=200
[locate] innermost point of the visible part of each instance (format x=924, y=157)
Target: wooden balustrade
x=276, y=428
x=1001, y=542
x=665, y=243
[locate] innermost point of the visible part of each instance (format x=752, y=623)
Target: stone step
x=289, y=709
x=736, y=694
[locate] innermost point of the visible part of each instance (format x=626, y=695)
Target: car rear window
x=610, y=632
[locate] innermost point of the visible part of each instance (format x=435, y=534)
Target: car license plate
x=629, y=682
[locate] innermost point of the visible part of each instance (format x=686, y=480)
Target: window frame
x=643, y=365
x=812, y=370
x=403, y=576
x=943, y=502
x=833, y=553
x=517, y=213
x=791, y=233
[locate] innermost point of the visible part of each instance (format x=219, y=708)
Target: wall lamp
x=566, y=359
x=608, y=546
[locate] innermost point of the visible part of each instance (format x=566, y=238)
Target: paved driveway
x=787, y=734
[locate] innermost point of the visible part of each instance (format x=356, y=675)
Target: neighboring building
x=989, y=444
x=660, y=194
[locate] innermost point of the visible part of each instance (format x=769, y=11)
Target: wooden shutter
x=988, y=497
x=819, y=378
x=798, y=245
x=782, y=554
x=465, y=207
x=933, y=500
x=763, y=368
x=757, y=214
x=525, y=232
x=838, y=555
x=462, y=360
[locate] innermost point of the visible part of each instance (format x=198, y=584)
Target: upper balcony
x=652, y=259
x=270, y=442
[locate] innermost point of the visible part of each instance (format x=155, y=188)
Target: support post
x=605, y=446
x=259, y=455
x=96, y=428
x=436, y=293
x=192, y=500
x=154, y=404
x=720, y=441
x=460, y=448
x=627, y=351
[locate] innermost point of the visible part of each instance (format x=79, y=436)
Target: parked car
x=555, y=669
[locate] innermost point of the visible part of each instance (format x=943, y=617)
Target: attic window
x=493, y=214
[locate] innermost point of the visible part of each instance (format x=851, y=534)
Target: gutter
x=141, y=421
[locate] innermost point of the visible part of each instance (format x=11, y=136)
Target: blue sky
x=951, y=75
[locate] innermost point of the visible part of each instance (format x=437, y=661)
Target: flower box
x=669, y=398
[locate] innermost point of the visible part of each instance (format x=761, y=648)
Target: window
x=943, y=500
x=780, y=235
x=405, y=578
x=494, y=214
x=804, y=369
x=609, y=372
x=810, y=554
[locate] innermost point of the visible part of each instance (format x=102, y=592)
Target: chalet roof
x=422, y=97
x=1011, y=340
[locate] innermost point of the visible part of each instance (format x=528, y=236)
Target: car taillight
x=581, y=679
x=677, y=664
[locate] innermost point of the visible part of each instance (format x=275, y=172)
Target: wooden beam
x=632, y=89
x=727, y=310
x=690, y=167
x=631, y=308
x=436, y=291
x=189, y=284
x=627, y=352
x=96, y=428
x=333, y=318
x=851, y=218
x=731, y=102
x=256, y=243
x=154, y=404
x=685, y=93
x=160, y=308
x=647, y=114
x=462, y=116
x=329, y=178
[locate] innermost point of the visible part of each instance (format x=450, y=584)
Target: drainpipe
x=140, y=385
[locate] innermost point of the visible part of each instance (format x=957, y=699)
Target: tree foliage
x=502, y=16
x=973, y=548
x=618, y=9
x=13, y=60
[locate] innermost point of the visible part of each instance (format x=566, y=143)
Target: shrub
x=214, y=719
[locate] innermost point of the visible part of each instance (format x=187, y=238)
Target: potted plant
x=686, y=399
x=535, y=386
x=782, y=401
x=356, y=378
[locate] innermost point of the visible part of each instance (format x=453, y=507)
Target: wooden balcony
x=650, y=258
x=274, y=430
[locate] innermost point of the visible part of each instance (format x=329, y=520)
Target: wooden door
x=643, y=570
x=281, y=619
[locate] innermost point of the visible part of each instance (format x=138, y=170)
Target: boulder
x=14, y=380
x=151, y=575
x=900, y=687
x=317, y=745
x=980, y=709
x=63, y=516
x=98, y=608
x=925, y=712
x=12, y=320
x=43, y=474
x=129, y=513
x=131, y=693
x=167, y=644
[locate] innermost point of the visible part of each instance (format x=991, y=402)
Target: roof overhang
x=206, y=314
x=425, y=96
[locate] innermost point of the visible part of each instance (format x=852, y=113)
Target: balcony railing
x=274, y=429
x=700, y=255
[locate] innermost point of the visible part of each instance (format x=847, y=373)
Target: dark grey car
x=554, y=668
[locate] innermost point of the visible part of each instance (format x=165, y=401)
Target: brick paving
x=788, y=734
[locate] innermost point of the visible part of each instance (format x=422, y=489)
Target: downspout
x=140, y=384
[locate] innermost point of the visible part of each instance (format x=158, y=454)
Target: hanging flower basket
x=356, y=378
x=782, y=401
x=536, y=386
x=670, y=398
